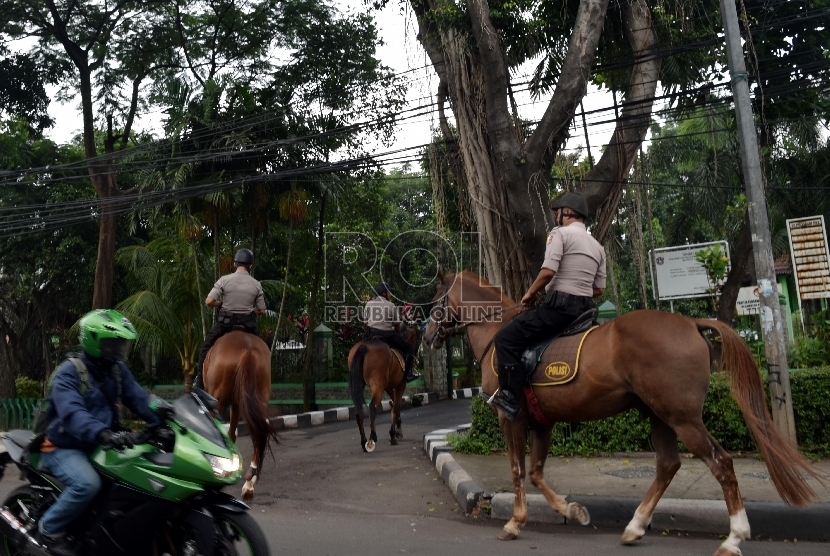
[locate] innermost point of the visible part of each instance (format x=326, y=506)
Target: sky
x=402, y=52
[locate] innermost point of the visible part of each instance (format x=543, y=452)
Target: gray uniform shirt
x=381, y=314
x=239, y=292
x=577, y=259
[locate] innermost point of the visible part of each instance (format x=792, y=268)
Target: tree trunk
x=284, y=283
x=506, y=178
x=309, y=394
x=737, y=271
x=603, y=183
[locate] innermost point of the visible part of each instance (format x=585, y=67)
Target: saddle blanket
x=563, y=354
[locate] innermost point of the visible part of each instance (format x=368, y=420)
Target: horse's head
x=460, y=300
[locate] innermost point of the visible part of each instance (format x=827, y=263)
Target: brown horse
x=373, y=362
x=237, y=372
x=658, y=363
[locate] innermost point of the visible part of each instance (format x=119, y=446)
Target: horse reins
x=443, y=331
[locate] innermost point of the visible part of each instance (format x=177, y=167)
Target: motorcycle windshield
x=193, y=415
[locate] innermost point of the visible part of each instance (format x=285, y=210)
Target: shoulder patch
x=550, y=235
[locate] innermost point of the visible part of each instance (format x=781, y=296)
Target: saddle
x=533, y=355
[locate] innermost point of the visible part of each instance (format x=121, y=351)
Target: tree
x=166, y=279
x=107, y=51
x=45, y=274
x=505, y=165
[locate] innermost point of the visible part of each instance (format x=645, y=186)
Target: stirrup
x=511, y=410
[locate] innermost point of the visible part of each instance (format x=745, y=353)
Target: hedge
x=628, y=432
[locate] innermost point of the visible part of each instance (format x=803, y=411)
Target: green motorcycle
x=163, y=496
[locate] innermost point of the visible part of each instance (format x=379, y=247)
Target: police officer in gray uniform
x=383, y=321
x=242, y=301
x=572, y=273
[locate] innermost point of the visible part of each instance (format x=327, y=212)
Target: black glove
x=117, y=440
x=161, y=408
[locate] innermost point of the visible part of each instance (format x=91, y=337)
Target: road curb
x=314, y=418
x=463, y=487
x=766, y=519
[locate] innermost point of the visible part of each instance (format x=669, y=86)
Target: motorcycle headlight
x=224, y=467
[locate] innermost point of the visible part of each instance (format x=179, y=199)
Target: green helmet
x=106, y=334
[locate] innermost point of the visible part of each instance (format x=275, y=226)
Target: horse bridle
x=443, y=331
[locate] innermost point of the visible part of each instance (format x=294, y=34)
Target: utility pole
x=771, y=321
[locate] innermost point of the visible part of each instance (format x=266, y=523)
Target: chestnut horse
x=372, y=362
x=237, y=372
x=659, y=363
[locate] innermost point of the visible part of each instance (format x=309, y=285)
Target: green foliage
x=28, y=388
x=628, y=432
x=716, y=264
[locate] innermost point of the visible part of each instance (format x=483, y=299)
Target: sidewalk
x=611, y=488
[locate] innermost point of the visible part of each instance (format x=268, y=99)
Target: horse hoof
x=247, y=494
x=721, y=551
x=630, y=537
x=370, y=446
x=579, y=513
x=399, y=434
x=506, y=535
x=393, y=441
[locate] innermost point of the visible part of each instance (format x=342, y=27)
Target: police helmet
x=573, y=201
x=244, y=257
x=382, y=288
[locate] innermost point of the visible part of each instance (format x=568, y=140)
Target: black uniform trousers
x=530, y=327
x=224, y=324
x=395, y=340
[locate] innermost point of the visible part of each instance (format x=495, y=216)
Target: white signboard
x=678, y=274
x=808, y=252
x=748, y=302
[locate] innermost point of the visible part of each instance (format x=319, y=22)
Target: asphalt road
x=321, y=495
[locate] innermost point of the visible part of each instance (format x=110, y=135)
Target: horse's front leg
x=515, y=434
x=539, y=443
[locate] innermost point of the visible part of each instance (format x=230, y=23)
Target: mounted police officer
x=383, y=320
x=572, y=273
x=241, y=302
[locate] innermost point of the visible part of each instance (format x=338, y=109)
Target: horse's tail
x=784, y=463
x=356, y=382
x=251, y=408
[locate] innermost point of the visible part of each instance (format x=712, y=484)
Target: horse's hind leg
x=539, y=443
x=233, y=422
x=395, y=433
x=698, y=440
x=668, y=462
x=515, y=433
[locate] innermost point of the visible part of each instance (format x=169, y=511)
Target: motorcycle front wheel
x=241, y=536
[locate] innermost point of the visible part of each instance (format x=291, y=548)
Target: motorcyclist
x=83, y=413
x=241, y=302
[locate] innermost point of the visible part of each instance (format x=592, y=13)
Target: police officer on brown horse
x=383, y=321
x=572, y=273
x=241, y=302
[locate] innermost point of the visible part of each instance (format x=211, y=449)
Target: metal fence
x=17, y=413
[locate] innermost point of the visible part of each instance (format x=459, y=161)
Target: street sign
x=748, y=302
x=678, y=274
x=808, y=252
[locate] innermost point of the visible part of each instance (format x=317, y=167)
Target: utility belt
x=232, y=319
x=567, y=302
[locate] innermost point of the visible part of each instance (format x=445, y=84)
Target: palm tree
x=167, y=278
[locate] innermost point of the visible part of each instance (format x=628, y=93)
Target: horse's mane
x=475, y=281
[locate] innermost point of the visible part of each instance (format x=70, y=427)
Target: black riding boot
x=59, y=546
x=197, y=377
x=510, y=399
x=410, y=374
